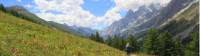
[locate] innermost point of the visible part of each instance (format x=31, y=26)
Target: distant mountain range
x=72, y=29
x=154, y=16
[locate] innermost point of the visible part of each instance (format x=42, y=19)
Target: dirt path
x=133, y=55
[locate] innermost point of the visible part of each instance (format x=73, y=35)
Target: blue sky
x=96, y=7
x=23, y=3
x=95, y=14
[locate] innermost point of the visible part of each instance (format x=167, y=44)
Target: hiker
x=128, y=49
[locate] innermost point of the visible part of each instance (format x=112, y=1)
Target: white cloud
x=28, y=6
x=19, y=0
x=73, y=14
x=130, y=4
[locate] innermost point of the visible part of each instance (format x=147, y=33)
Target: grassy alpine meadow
x=19, y=37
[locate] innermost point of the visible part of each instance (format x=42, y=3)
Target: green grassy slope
x=21, y=12
x=19, y=37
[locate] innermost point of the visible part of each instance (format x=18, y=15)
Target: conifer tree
x=98, y=38
x=192, y=48
x=92, y=37
x=133, y=42
x=178, y=48
x=108, y=41
x=165, y=44
x=151, y=42
x=118, y=42
x=2, y=8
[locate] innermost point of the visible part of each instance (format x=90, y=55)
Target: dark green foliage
x=162, y=44
x=22, y=13
x=2, y=8
x=178, y=48
x=92, y=37
x=15, y=13
x=169, y=27
x=151, y=42
x=192, y=48
x=176, y=26
x=97, y=37
x=155, y=43
x=133, y=43
x=118, y=42
x=109, y=41
x=165, y=44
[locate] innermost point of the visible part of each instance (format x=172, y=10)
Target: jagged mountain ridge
x=154, y=20
x=131, y=18
x=162, y=16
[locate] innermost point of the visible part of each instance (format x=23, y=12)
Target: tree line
x=2, y=8
x=16, y=14
x=154, y=43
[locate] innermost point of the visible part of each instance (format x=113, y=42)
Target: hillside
x=19, y=37
x=23, y=13
x=184, y=22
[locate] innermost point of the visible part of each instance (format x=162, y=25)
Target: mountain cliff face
x=119, y=25
x=184, y=22
x=152, y=18
x=131, y=18
x=162, y=16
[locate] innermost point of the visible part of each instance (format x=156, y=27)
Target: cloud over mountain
x=71, y=12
